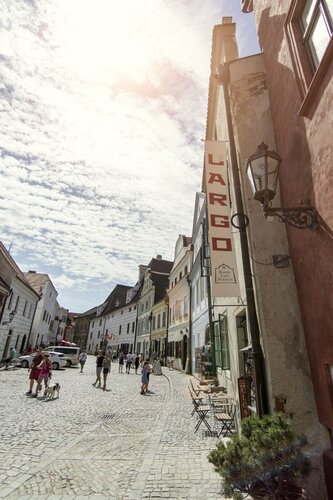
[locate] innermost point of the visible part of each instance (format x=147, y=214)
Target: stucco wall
x=306, y=146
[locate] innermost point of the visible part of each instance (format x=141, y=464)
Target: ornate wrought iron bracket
x=298, y=217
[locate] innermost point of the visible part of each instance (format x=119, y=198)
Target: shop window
x=309, y=29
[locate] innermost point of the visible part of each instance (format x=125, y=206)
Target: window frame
x=308, y=78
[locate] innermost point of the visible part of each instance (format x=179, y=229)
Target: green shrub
x=266, y=462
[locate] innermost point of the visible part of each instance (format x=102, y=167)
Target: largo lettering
x=218, y=198
x=219, y=220
x=216, y=178
x=212, y=162
x=222, y=244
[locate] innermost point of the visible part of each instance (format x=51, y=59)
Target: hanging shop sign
x=222, y=253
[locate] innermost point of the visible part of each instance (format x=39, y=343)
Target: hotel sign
x=223, y=260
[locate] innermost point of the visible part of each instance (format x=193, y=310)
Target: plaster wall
x=21, y=323
x=306, y=146
x=41, y=328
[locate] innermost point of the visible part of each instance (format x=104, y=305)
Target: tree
x=266, y=462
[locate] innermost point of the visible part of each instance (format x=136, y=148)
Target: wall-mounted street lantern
x=263, y=171
x=11, y=317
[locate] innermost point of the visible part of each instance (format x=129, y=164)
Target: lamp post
x=263, y=171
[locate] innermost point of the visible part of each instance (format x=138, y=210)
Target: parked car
x=58, y=360
x=71, y=353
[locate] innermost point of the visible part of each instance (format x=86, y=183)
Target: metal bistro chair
x=201, y=410
x=224, y=416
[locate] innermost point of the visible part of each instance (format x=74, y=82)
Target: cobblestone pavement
x=113, y=444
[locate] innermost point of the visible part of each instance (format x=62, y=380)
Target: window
x=17, y=303
x=154, y=322
x=25, y=307
x=185, y=270
x=186, y=305
x=316, y=25
x=163, y=319
x=134, y=308
x=93, y=324
x=128, y=327
x=29, y=314
x=180, y=275
x=158, y=321
x=133, y=326
x=91, y=334
x=44, y=315
x=309, y=29
x=130, y=309
x=98, y=334
x=222, y=342
x=100, y=322
x=119, y=329
x=10, y=299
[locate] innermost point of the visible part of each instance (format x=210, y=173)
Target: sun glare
x=104, y=38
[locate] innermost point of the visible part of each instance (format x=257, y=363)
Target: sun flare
x=105, y=38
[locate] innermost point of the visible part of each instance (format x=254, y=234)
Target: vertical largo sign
x=222, y=253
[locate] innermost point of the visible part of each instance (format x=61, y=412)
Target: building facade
x=18, y=305
x=255, y=106
x=41, y=331
x=179, y=305
x=154, y=288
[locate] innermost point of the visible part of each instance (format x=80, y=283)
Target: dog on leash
x=51, y=391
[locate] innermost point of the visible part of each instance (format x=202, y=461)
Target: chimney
x=32, y=272
x=158, y=257
x=142, y=270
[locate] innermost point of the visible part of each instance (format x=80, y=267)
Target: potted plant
x=266, y=462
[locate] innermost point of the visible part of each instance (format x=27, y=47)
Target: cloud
x=102, y=119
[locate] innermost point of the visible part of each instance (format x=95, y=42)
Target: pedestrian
x=144, y=378
x=99, y=368
x=121, y=362
x=45, y=372
x=34, y=371
x=142, y=359
x=12, y=357
x=128, y=363
x=106, y=369
x=82, y=359
x=136, y=363
x=148, y=373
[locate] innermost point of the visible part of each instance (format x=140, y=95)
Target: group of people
x=103, y=367
x=39, y=372
x=129, y=360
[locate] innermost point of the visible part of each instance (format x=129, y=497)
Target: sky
x=103, y=113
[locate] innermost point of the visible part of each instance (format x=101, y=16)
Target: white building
x=179, y=304
x=18, y=306
x=57, y=333
x=41, y=332
x=200, y=340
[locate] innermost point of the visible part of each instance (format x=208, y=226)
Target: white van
x=71, y=353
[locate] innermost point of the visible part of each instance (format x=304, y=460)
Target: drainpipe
x=209, y=297
x=190, y=368
x=258, y=358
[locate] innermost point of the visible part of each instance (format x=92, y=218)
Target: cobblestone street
x=113, y=444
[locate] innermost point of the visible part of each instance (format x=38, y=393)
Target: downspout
x=189, y=282
x=258, y=358
x=209, y=297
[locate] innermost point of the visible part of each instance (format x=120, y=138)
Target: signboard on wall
x=244, y=388
x=222, y=253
